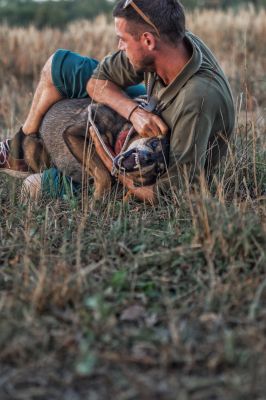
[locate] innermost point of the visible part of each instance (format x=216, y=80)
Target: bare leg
x=12, y=151
x=45, y=96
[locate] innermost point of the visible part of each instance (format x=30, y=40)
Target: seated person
x=179, y=71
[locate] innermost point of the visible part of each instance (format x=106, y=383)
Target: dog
x=64, y=142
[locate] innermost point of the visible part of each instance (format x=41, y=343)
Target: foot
x=9, y=165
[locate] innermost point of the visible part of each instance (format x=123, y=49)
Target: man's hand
x=145, y=193
x=106, y=92
x=148, y=124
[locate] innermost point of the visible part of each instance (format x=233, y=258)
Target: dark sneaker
x=10, y=165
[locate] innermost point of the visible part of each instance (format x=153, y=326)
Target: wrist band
x=131, y=112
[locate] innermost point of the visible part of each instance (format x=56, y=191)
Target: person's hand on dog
x=148, y=124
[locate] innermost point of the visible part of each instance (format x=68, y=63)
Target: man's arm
x=110, y=94
x=144, y=193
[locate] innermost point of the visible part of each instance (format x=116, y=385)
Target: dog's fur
x=64, y=143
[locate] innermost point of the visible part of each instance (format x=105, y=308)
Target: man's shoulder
x=209, y=86
x=116, y=59
x=200, y=86
x=117, y=68
x=200, y=93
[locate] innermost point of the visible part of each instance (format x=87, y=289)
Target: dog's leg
x=101, y=176
x=86, y=155
x=35, y=154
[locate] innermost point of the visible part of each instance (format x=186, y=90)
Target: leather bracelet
x=131, y=112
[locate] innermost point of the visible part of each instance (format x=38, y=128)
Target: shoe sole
x=15, y=174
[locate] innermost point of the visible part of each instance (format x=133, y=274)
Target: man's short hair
x=167, y=15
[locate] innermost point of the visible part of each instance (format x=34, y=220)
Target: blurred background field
x=236, y=37
x=129, y=301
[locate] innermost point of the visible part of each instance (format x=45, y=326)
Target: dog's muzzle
x=144, y=160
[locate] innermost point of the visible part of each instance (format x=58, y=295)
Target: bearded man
x=181, y=75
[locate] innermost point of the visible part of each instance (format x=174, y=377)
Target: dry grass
x=24, y=51
x=129, y=301
x=236, y=38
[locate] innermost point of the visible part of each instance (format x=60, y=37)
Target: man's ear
x=148, y=40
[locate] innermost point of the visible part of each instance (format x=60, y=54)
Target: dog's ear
x=77, y=141
x=107, y=120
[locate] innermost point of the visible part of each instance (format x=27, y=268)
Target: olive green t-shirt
x=199, y=109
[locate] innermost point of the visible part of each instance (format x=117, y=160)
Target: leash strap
x=91, y=121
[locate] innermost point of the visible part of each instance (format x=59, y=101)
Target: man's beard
x=147, y=65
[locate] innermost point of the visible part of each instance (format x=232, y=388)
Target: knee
x=46, y=73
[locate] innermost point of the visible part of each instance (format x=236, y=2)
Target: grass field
x=129, y=301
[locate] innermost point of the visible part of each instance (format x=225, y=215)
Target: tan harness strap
x=147, y=19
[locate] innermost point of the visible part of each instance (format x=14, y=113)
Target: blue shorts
x=56, y=185
x=71, y=72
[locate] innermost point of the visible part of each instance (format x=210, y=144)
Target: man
x=180, y=72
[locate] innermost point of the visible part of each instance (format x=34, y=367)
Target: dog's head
x=143, y=159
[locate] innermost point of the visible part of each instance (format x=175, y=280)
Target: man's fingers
x=156, y=127
x=148, y=124
x=161, y=125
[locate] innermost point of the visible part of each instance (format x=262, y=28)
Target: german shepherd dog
x=64, y=142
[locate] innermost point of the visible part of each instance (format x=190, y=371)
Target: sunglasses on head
x=141, y=13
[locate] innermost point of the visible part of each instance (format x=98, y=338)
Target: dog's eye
x=153, y=144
